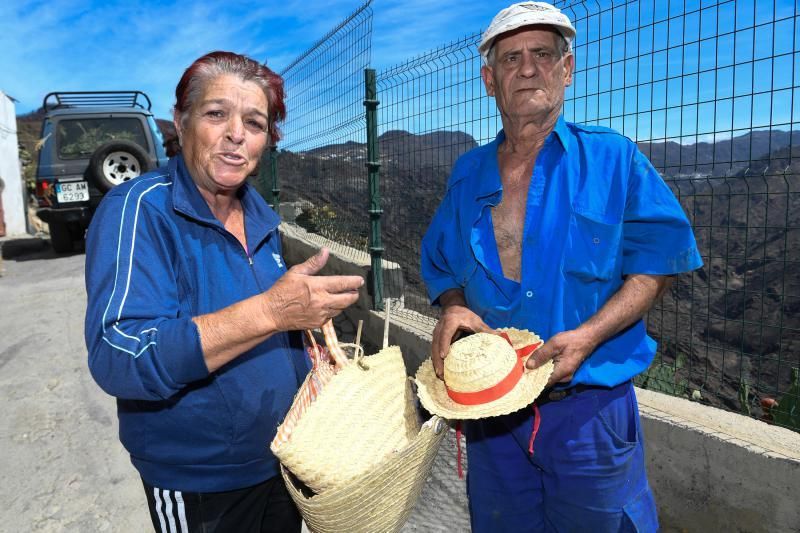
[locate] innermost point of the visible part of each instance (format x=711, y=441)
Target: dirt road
x=62, y=465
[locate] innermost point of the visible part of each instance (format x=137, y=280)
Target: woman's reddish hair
x=215, y=64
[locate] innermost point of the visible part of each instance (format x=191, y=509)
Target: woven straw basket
x=379, y=500
x=362, y=414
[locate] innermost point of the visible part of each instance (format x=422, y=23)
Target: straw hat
x=484, y=375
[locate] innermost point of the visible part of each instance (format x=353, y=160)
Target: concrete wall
x=713, y=470
x=710, y=470
x=13, y=199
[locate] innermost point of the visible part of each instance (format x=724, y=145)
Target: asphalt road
x=63, y=468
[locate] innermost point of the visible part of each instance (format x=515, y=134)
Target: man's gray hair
x=564, y=46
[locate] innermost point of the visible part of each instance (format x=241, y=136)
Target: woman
x=189, y=305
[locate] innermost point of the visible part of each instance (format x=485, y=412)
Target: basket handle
x=340, y=359
x=315, y=351
x=358, y=350
x=332, y=342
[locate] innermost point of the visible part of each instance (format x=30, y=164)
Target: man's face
x=529, y=73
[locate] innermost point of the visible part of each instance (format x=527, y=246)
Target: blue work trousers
x=587, y=471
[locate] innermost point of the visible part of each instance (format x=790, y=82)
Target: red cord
x=536, y=421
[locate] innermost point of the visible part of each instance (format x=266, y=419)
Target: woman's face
x=225, y=133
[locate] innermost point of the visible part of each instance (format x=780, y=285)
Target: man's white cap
x=524, y=14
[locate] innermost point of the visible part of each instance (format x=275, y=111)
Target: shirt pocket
x=592, y=247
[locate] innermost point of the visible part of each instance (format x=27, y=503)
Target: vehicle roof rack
x=96, y=99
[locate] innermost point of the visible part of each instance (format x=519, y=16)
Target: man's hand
x=302, y=300
x=568, y=350
x=456, y=318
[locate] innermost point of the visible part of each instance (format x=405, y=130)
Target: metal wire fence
x=709, y=90
x=433, y=109
x=320, y=164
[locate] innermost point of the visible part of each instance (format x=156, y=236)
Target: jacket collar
x=259, y=218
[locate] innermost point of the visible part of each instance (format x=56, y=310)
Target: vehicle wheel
x=116, y=162
x=60, y=237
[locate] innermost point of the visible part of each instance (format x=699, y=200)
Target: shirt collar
x=489, y=187
x=186, y=196
x=562, y=132
x=489, y=183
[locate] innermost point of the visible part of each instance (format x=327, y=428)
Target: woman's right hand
x=302, y=300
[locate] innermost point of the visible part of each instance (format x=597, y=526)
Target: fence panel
x=321, y=162
x=433, y=109
x=709, y=90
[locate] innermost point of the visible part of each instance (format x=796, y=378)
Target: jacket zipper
x=282, y=335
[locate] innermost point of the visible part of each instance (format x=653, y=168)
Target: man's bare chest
x=509, y=215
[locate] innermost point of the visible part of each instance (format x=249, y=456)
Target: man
x=570, y=232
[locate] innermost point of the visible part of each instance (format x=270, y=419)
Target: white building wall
x=13, y=198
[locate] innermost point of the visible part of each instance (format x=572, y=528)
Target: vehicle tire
x=116, y=162
x=60, y=237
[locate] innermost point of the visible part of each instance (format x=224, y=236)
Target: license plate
x=73, y=191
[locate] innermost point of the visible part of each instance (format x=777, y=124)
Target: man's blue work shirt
x=596, y=211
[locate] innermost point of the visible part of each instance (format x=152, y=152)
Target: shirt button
x=529, y=294
x=596, y=240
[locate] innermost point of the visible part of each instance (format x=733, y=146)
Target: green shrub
x=663, y=378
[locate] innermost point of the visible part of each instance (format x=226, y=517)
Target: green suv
x=91, y=142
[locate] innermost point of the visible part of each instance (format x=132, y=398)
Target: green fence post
x=273, y=169
x=373, y=165
x=268, y=176
x=263, y=176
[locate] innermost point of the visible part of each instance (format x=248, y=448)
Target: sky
x=71, y=45
x=689, y=70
